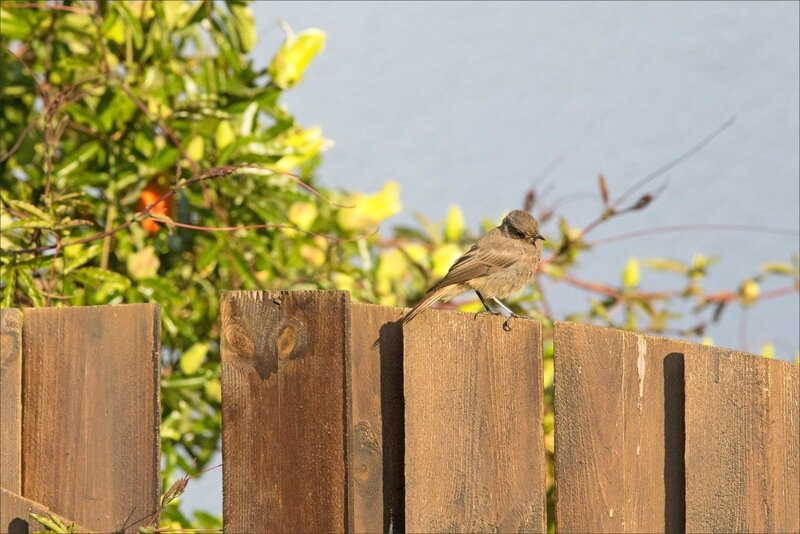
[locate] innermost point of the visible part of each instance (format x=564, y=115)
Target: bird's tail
x=441, y=293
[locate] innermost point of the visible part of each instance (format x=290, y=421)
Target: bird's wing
x=477, y=262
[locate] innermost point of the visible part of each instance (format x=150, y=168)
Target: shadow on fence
x=436, y=427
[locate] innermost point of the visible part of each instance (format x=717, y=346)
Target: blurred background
x=472, y=103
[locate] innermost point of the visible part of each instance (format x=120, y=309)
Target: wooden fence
x=80, y=416
x=337, y=419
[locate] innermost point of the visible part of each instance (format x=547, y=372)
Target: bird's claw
x=506, y=323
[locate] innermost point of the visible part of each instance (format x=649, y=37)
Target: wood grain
x=284, y=412
x=742, y=449
x=15, y=516
x=475, y=458
x=618, y=431
x=376, y=428
x=11, y=399
x=91, y=413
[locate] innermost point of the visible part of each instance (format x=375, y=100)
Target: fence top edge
x=681, y=344
x=156, y=308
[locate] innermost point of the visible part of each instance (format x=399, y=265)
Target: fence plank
x=283, y=413
x=475, y=458
x=376, y=442
x=91, y=413
x=11, y=399
x=618, y=431
x=15, y=516
x=742, y=451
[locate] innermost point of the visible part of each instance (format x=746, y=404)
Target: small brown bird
x=500, y=263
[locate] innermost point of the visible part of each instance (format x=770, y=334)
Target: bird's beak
x=539, y=236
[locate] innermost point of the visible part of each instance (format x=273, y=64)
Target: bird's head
x=522, y=225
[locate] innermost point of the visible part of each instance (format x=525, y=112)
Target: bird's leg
x=511, y=314
x=486, y=306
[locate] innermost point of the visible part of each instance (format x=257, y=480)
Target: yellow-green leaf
x=303, y=214
x=666, y=264
x=213, y=390
x=225, y=134
x=454, y=225
x=193, y=357
x=296, y=53
x=94, y=275
x=196, y=148
x=631, y=275
x=443, y=258
x=369, y=210
x=245, y=25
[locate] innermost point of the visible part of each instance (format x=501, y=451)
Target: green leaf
x=29, y=287
x=89, y=276
x=83, y=256
x=28, y=208
x=14, y=27
x=665, y=264
x=77, y=158
x=132, y=23
x=779, y=268
x=192, y=359
x=244, y=24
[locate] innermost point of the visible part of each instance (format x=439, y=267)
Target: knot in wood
x=237, y=339
x=287, y=341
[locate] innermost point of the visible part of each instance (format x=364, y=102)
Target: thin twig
x=695, y=227
x=675, y=162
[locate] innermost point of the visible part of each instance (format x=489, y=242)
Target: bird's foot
x=486, y=312
x=507, y=322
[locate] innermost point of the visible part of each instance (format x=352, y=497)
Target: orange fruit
x=152, y=192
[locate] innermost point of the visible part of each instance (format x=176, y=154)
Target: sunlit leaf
x=368, y=210
x=631, y=275
x=454, y=224
x=296, y=53
x=193, y=358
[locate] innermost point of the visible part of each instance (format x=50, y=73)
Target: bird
x=501, y=262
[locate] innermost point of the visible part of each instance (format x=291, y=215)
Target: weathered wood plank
x=742, y=449
x=11, y=399
x=15, y=516
x=618, y=431
x=376, y=429
x=475, y=458
x=283, y=414
x=91, y=413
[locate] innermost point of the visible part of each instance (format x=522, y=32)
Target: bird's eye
x=518, y=234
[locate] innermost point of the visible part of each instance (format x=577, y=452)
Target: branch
x=212, y=174
x=695, y=227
